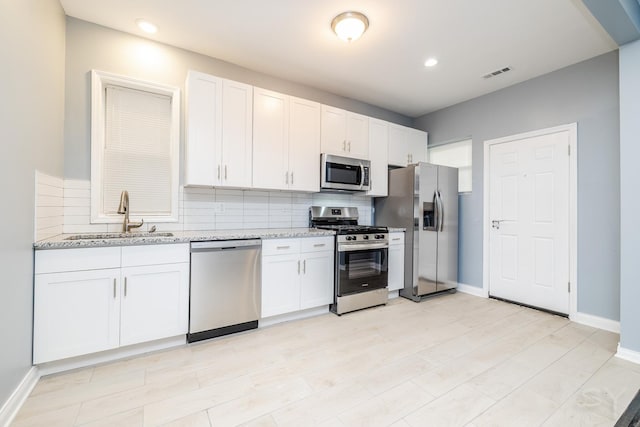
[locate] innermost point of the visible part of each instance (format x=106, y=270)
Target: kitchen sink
x=103, y=236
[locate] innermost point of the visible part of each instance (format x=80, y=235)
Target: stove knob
x=379, y=236
x=365, y=237
x=354, y=237
x=349, y=238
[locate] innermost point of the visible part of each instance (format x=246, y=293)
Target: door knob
x=495, y=224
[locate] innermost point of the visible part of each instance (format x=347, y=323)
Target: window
x=457, y=155
x=135, y=132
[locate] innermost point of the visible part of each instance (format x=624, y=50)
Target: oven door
x=361, y=269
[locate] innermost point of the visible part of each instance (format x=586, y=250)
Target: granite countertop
x=396, y=229
x=93, y=240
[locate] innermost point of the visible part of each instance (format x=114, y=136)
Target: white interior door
x=529, y=216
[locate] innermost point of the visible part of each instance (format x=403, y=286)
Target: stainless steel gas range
x=361, y=258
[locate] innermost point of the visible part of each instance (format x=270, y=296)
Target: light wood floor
x=454, y=360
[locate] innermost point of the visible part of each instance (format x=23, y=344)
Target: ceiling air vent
x=497, y=72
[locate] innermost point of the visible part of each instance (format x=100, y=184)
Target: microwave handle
x=361, y=176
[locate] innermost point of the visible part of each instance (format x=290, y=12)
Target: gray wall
x=91, y=46
x=32, y=37
x=586, y=93
x=629, y=201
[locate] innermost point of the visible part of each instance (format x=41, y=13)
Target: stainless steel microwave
x=344, y=173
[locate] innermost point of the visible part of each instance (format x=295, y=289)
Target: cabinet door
x=304, y=145
x=378, y=154
x=270, y=140
x=203, y=129
x=398, y=145
x=155, y=302
x=417, y=145
x=333, y=134
x=357, y=136
x=396, y=262
x=75, y=313
x=316, y=286
x=237, y=119
x=280, y=284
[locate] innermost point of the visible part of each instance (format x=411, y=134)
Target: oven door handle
x=350, y=247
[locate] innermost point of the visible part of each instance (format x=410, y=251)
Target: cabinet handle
x=298, y=267
x=319, y=245
x=344, y=145
x=291, y=178
x=283, y=247
x=396, y=238
x=125, y=286
x=225, y=172
x=114, y=288
x=218, y=171
x=286, y=177
x=349, y=146
x=304, y=267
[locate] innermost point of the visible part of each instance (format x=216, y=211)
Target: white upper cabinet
x=406, y=145
x=417, y=145
x=203, y=126
x=286, y=142
x=378, y=154
x=218, y=132
x=304, y=145
x=237, y=130
x=270, y=139
x=344, y=133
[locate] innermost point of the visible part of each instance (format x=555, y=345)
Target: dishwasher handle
x=220, y=245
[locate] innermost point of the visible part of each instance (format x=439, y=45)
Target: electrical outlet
x=218, y=207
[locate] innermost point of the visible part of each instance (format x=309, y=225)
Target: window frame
x=99, y=81
x=468, y=140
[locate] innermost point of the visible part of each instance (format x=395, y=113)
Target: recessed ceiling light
x=430, y=62
x=146, y=26
x=349, y=26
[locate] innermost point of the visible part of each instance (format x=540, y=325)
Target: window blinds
x=137, y=151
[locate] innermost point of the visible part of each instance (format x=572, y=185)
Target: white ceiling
x=292, y=39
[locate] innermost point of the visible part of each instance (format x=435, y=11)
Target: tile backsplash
x=217, y=209
x=49, y=203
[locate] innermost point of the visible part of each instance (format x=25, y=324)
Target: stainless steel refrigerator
x=423, y=199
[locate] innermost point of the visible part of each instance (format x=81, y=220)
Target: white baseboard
x=11, y=407
x=472, y=290
x=596, y=322
x=303, y=314
x=110, y=355
x=629, y=355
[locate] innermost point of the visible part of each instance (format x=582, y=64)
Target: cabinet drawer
x=280, y=246
x=60, y=260
x=154, y=254
x=316, y=244
x=396, y=238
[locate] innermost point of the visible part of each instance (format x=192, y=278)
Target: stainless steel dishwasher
x=225, y=288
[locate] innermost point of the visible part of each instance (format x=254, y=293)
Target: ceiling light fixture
x=349, y=26
x=146, y=26
x=430, y=62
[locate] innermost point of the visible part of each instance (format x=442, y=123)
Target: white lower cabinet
x=154, y=303
x=78, y=311
x=297, y=274
x=396, y=261
x=75, y=313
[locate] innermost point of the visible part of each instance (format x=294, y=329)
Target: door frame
x=572, y=128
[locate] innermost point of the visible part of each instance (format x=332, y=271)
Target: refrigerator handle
x=440, y=212
x=436, y=212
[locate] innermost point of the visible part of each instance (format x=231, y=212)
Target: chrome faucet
x=124, y=209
